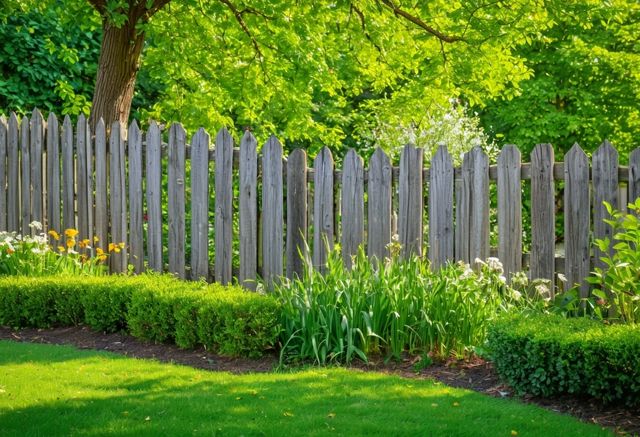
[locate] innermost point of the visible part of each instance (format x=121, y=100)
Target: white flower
x=502, y=279
x=516, y=294
x=479, y=262
x=495, y=265
x=542, y=290
x=35, y=225
x=562, y=277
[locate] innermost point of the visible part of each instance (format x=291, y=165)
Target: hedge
x=160, y=308
x=547, y=355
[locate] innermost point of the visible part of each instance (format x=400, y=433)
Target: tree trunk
x=117, y=68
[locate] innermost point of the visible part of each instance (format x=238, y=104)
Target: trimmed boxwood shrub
x=159, y=308
x=546, y=355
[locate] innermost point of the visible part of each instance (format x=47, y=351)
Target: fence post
x=200, y=205
x=3, y=173
x=36, y=137
x=543, y=235
x=13, y=175
x=410, y=201
x=248, y=173
x=25, y=167
x=154, y=189
x=102, y=210
x=605, y=189
x=117, y=199
x=136, y=234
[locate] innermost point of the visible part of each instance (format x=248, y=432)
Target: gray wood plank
x=441, y=208
x=13, y=175
x=634, y=175
x=576, y=219
x=25, y=179
x=223, y=206
x=410, y=201
x=323, y=232
x=248, y=211
x=272, y=211
x=117, y=198
x=510, y=210
x=472, y=208
x=101, y=208
x=352, y=206
x=36, y=148
x=136, y=198
x=90, y=189
x=176, y=200
x=200, y=205
x=543, y=213
x=605, y=189
x=297, y=248
x=53, y=175
x=379, y=205
x=3, y=173
x=153, y=175
x=82, y=183
x=68, y=180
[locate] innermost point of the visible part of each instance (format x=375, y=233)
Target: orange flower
x=71, y=233
x=71, y=242
x=83, y=244
x=54, y=234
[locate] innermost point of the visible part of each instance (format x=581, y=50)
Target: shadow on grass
x=54, y=390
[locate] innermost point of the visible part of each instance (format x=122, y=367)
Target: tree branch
x=243, y=25
x=418, y=22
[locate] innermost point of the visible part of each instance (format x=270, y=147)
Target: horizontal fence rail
x=205, y=208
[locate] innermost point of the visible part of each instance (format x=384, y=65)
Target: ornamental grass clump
x=389, y=308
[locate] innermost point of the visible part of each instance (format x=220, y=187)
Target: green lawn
x=58, y=390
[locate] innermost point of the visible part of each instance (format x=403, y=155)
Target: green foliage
x=617, y=285
x=48, y=57
x=160, y=308
x=394, y=307
x=572, y=95
x=547, y=355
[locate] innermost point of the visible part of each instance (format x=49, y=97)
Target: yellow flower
x=95, y=239
x=114, y=248
x=99, y=251
x=54, y=235
x=121, y=245
x=71, y=233
x=102, y=258
x=61, y=248
x=83, y=244
x=71, y=242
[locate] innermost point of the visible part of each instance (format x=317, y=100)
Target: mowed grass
x=58, y=390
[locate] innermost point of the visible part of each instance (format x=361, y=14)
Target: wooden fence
x=66, y=177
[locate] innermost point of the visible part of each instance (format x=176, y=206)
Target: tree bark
x=117, y=69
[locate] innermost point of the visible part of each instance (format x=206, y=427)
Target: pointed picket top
x=379, y=154
x=36, y=115
x=52, y=119
x=606, y=149
x=200, y=137
x=66, y=124
x=133, y=127
x=223, y=134
x=575, y=150
x=13, y=119
x=153, y=131
x=324, y=156
x=81, y=118
x=100, y=127
x=248, y=138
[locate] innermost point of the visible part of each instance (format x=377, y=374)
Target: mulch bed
x=475, y=375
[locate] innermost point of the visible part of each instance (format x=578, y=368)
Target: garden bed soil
x=477, y=375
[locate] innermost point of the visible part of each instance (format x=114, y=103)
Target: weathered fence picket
x=224, y=206
x=153, y=178
x=379, y=203
x=352, y=214
x=70, y=177
x=576, y=218
x=200, y=205
x=176, y=174
x=296, y=213
x=543, y=230
x=136, y=230
x=272, y=216
x=510, y=210
x=323, y=230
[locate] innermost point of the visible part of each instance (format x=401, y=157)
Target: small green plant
x=616, y=293
x=34, y=256
x=392, y=307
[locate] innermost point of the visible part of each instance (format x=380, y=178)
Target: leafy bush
x=392, y=307
x=617, y=286
x=547, y=355
x=154, y=307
